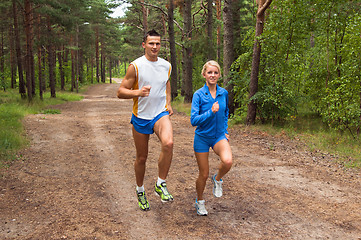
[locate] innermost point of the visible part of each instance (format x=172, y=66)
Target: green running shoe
x=162, y=191
x=142, y=201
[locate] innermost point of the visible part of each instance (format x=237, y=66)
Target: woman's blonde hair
x=211, y=63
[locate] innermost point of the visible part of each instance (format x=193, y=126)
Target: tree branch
x=163, y=12
x=262, y=9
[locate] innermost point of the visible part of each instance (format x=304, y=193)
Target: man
x=147, y=82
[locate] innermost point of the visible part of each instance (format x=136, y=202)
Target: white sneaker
x=217, y=186
x=201, y=208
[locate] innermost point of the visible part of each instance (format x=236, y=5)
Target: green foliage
x=51, y=111
x=179, y=105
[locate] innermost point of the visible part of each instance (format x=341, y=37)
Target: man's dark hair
x=151, y=33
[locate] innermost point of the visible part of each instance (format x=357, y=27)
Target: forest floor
x=76, y=181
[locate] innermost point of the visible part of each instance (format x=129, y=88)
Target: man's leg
x=163, y=129
x=141, y=146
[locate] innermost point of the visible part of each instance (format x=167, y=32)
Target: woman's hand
x=215, y=107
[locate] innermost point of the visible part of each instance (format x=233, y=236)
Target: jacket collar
x=219, y=90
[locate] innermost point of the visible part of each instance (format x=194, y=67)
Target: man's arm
x=125, y=90
x=169, y=98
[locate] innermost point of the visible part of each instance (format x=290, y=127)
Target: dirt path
x=76, y=181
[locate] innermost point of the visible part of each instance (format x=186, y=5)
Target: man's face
x=152, y=47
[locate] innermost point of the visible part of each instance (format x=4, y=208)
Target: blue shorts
x=146, y=126
x=202, y=144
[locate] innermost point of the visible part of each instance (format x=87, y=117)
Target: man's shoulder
x=139, y=59
x=163, y=61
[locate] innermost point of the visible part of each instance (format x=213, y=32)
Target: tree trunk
x=30, y=81
x=73, y=71
x=80, y=66
x=12, y=56
x=2, y=61
x=22, y=90
x=219, y=13
x=92, y=69
x=102, y=62
x=173, y=53
x=61, y=68
x=110, y=70
x=187, y=87
x=256, y=58
x=210, y=45
x=97, y=52
x=51, y=61
x=228, y=53
x=145, y=17
x=40, y=69
x=77, y=58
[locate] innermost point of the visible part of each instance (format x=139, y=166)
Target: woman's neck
x=212, y=90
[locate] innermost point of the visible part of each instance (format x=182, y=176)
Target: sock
x=160, y=181
x=201, y=201
x=140, y=189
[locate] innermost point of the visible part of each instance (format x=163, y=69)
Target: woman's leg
x=223, y=150
x=203, y=166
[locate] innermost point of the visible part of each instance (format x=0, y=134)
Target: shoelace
x=164, y=189
x=142, y=198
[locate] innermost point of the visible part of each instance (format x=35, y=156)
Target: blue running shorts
x=146, y=126
x=202, y=144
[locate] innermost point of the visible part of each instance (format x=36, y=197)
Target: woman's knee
x=227, y=162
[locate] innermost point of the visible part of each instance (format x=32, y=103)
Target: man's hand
x=170, y=109
x=144, y=91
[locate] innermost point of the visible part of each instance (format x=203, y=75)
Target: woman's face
x=211, y=75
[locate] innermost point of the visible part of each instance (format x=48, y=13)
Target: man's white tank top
x=155, y=74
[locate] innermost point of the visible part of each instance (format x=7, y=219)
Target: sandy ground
x=76, y=181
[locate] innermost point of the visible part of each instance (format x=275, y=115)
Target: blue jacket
x=210, y=124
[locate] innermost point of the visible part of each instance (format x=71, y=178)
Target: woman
x=210, y=115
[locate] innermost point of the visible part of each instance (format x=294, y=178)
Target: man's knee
x=167, y=145
x=141, y=159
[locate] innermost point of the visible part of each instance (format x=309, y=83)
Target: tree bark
x=30, y=81
x=219, y=37
x=61, y=68
x=102, y=62
x=12, y=56
x=2, y=60
x=97, y=52
x=22, y=90
x=173, y=53
x=145, y=17
x=211, y=50
x=187, y=87
x=110, y=70
x=40, y=69
x=256, y=58
x=51, y=61
x=228, y=53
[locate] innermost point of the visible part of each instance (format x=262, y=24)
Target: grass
x=307, y=128
x=13, y=109
x=179, y=105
